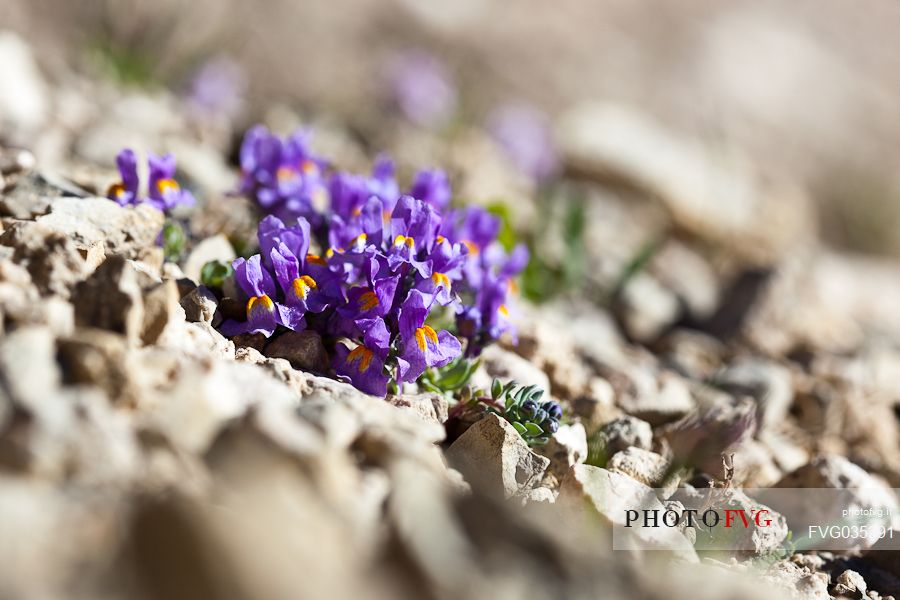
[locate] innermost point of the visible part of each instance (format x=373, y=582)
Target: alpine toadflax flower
x=372, y=270
x=163, y=191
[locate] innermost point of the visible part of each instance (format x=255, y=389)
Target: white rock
x=216, y=247
x=23, y=92
x=493, y=456
x=610, y=495
x=565, y=448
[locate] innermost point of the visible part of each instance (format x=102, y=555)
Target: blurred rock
x=689, y=276
x=216, y=247
x=565, y=448
x=432, y=407
x=644, y=466
x=161, y=308
x=610, y=494
x=23, y=93
x=646, y=308
x=850, y=583
x=799, y=581
x=622, y=433
x=656, y=397
x=710, y=195
x=700, y=439
x=859, y=490
x=303, y=349
x=507, y=366
x=98, y=221
x=494, y=457
x=691, y=353
x=111, y=298
x=200, y=305
x=596, y=405
x=768, y=383
x=52, y=259
x=756, y=539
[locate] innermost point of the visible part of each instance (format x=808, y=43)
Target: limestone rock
x=200, y=305
x=98, y=221
x=161, y=309
x=111, y=299
x=494, y=457
x=646, y=308
x=430, y=406
x=51, y=258
x=850, y=583
x=768, y=383
x=641, y=465
x=506, y=366
x=858, y=490
x=799, y=581
x=303, y=349
x=610, y=495
x=619, y=435
x=216, y=247
x=565, y=448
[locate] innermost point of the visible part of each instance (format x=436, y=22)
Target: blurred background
x=802, y=90
x=709, y=191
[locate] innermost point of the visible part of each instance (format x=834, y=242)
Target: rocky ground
x=142, y=454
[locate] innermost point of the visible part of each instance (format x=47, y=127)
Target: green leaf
x=533, y=430
x=496, y=389
x=507, y=235
x=173, y=241
x=520, y=428
x=214, y=273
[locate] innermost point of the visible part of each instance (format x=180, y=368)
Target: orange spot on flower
x=260, y=303
x=401, y=240
x=166, y=185
x=368, y=301
x=424, y=335
x=440, y=239
x=472, y=246
x=361, y=357
x=285, y=173
x=503, y=310
x=303, y=284
x=440, y=279
x=316, y=260
x=116, y=190
x=308, y=167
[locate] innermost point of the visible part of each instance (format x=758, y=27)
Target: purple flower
x=488, y=318
x=446, y=263
x=216, y=89
x=283, y=176
x=368, y=302
x=364, y=365
x=349, y=192
x=419, y=85
x=416, y=220
x=422, y=346
x=433, y=187
x=524, y=134
x=164, y=193
x=264, y=314
x=126, y=191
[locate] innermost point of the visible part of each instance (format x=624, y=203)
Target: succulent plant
x=535, y=421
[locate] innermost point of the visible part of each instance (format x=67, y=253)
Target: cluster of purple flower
x=163, y=192
x=387, y=262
